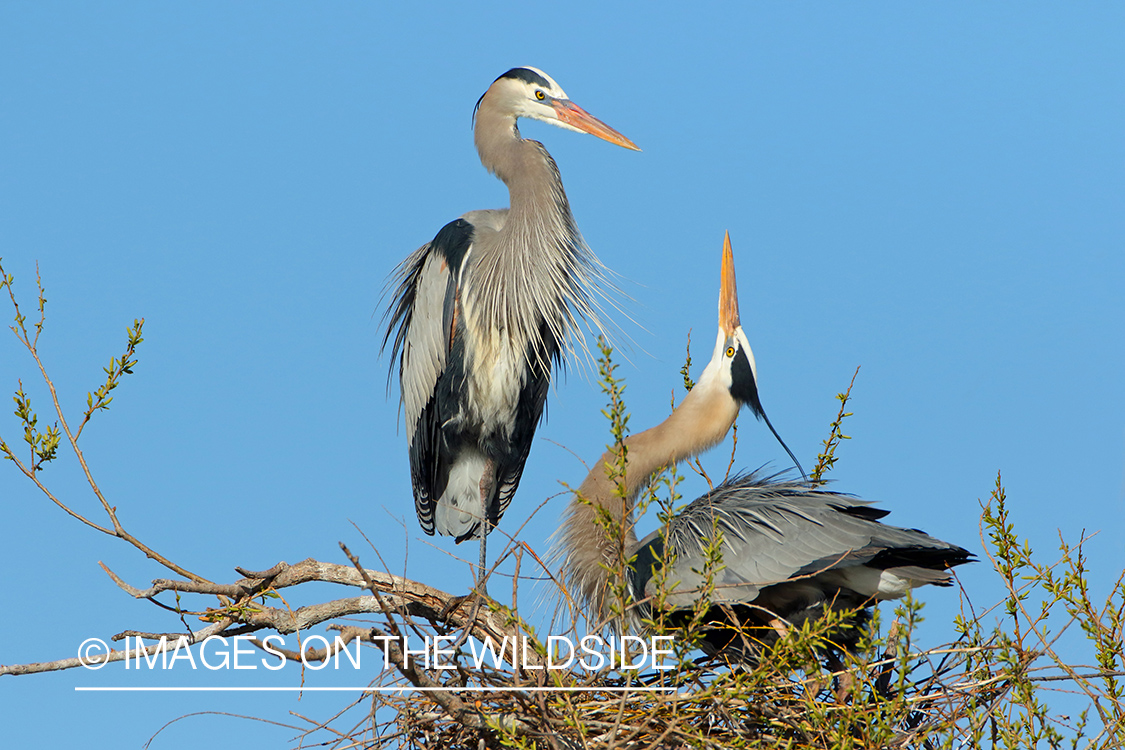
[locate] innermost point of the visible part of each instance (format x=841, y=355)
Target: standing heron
x=484, y=312
x=788, y=551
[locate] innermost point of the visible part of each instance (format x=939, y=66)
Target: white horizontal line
x=370, y=689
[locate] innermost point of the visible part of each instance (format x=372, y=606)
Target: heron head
x=732, y=364
x=529, y=92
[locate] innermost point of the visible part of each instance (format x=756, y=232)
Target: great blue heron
x=484, y=311
x=788, y=550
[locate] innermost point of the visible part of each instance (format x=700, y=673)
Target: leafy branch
x=44, y=445
x=686, y=369
x=826, y=459
x=100, y=399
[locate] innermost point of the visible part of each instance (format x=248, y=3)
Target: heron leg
x=481, y=587
x=487, y=479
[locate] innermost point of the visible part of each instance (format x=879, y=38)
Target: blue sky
x=932, y=192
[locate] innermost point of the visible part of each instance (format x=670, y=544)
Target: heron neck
x=588, y=550
x=533, y=276
x=534, y=185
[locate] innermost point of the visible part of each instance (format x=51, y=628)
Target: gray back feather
x=772, y=531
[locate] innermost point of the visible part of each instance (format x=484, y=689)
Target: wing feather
x=425, y=314
x=773, y=531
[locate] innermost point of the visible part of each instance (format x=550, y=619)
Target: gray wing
x=425, y=349
x=422, y=313
x=773, y=531
x=423, y=319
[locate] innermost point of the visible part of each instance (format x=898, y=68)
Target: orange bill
x=728, y=293
x=576, y=117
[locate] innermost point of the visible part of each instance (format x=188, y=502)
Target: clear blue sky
x=933, y=192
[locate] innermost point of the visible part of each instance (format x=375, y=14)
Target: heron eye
x=540, y=95
x=730, y=351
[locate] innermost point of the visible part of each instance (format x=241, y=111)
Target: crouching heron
x=788, y=551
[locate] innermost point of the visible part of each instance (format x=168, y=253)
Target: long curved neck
x=589, y=551
x=533, y=277
x=534, y=186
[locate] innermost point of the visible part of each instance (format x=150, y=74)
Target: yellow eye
x=540, y=95
x=730, y=351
